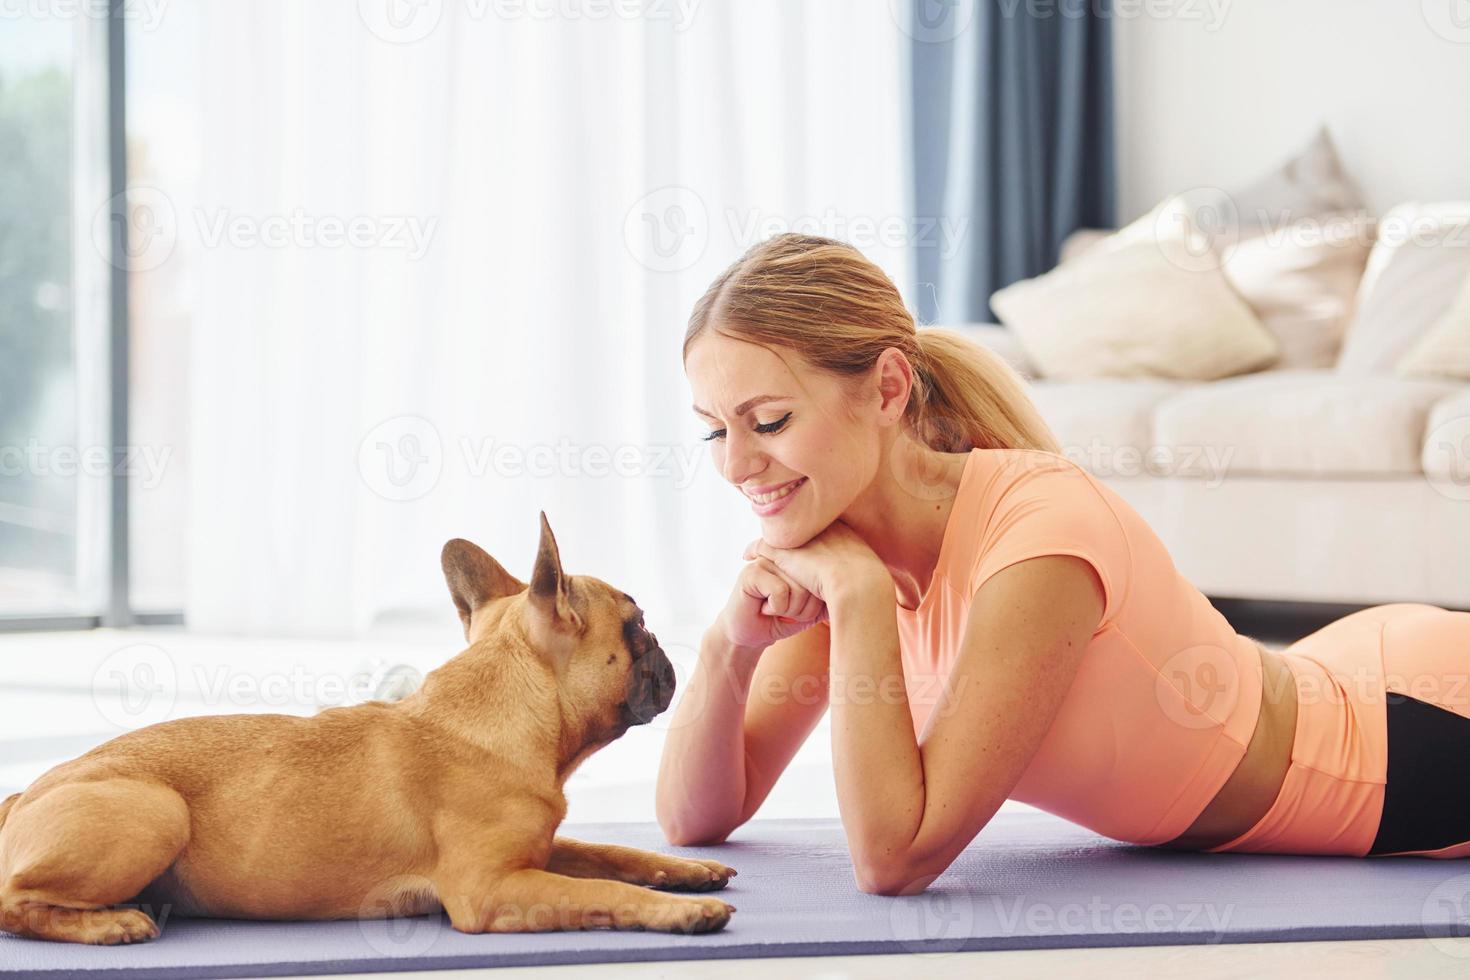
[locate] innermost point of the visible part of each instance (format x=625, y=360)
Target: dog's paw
x=120, y=926
x=692, y=874
x=690, y=915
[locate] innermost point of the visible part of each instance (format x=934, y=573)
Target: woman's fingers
x=786, y=600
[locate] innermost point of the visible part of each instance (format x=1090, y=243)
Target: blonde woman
x=988, y=621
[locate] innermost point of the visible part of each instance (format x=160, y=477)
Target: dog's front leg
x=531, y=900
x=580, y=859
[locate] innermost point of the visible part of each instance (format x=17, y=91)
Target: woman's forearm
x=876, y=761
x=701, y=777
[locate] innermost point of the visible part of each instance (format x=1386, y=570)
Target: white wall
x=1219, y=91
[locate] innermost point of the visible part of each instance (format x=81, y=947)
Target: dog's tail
x=5, y=806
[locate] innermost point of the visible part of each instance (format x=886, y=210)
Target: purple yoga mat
x=1029, y=881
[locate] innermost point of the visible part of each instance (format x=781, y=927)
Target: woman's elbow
x=890, y=876
x=683, y=835
x=687, y=829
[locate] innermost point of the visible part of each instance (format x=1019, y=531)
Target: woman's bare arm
x=742, y=717
x=909, y=806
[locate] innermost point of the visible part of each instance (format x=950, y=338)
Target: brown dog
x=447, y=799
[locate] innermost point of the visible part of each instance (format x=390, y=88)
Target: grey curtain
x=1012, y=142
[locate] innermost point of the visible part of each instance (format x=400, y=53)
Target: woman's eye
x=766, y=427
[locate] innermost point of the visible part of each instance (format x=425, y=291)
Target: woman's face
x=804, y=438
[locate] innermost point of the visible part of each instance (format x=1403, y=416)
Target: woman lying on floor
x=989, y=621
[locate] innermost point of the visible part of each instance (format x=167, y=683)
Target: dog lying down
x=449, y=798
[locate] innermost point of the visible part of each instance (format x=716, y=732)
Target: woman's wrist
x=716, y=648
x=859, y=587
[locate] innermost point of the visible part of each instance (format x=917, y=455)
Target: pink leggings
x=1333, y=795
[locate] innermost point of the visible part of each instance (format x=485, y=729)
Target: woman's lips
x=778, y=504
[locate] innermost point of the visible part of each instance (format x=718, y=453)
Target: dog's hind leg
x=81, y=847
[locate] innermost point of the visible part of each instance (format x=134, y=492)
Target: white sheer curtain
x=355, y=405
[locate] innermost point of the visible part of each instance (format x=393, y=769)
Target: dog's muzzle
x=650, y=687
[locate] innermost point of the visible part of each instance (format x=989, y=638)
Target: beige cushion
x=1418, y=265
x=1293, y=244
x=1309, y=183
x=1137, y=305
x=1444, y=349
x=1301, y=281
x=1304, y=422
x=1080, y=241
x=1106, y=424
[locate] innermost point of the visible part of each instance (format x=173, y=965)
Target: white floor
x=62, y=693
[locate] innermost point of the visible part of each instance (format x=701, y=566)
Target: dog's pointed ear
x=474, y=578
x=549, y=595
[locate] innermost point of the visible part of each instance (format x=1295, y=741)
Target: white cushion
x=1136, y=305
x=1444, y=349
x=1304, y=422
x=1292, y=244
x=1419, y=261
x=1106, y=424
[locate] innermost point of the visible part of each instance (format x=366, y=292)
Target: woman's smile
x=766, y=504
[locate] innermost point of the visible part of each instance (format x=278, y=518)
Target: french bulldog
x=448, y=799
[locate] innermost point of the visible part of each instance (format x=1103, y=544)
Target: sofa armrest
x=1003, y=342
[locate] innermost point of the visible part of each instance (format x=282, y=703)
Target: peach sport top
x=1165, y=700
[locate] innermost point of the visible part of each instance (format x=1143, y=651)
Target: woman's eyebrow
x=746, y=405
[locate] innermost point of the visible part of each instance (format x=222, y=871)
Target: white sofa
x=1284, y=485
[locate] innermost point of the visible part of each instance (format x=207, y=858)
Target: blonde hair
x=838, y=311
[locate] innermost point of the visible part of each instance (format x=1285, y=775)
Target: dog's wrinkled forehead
x=636, y=636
